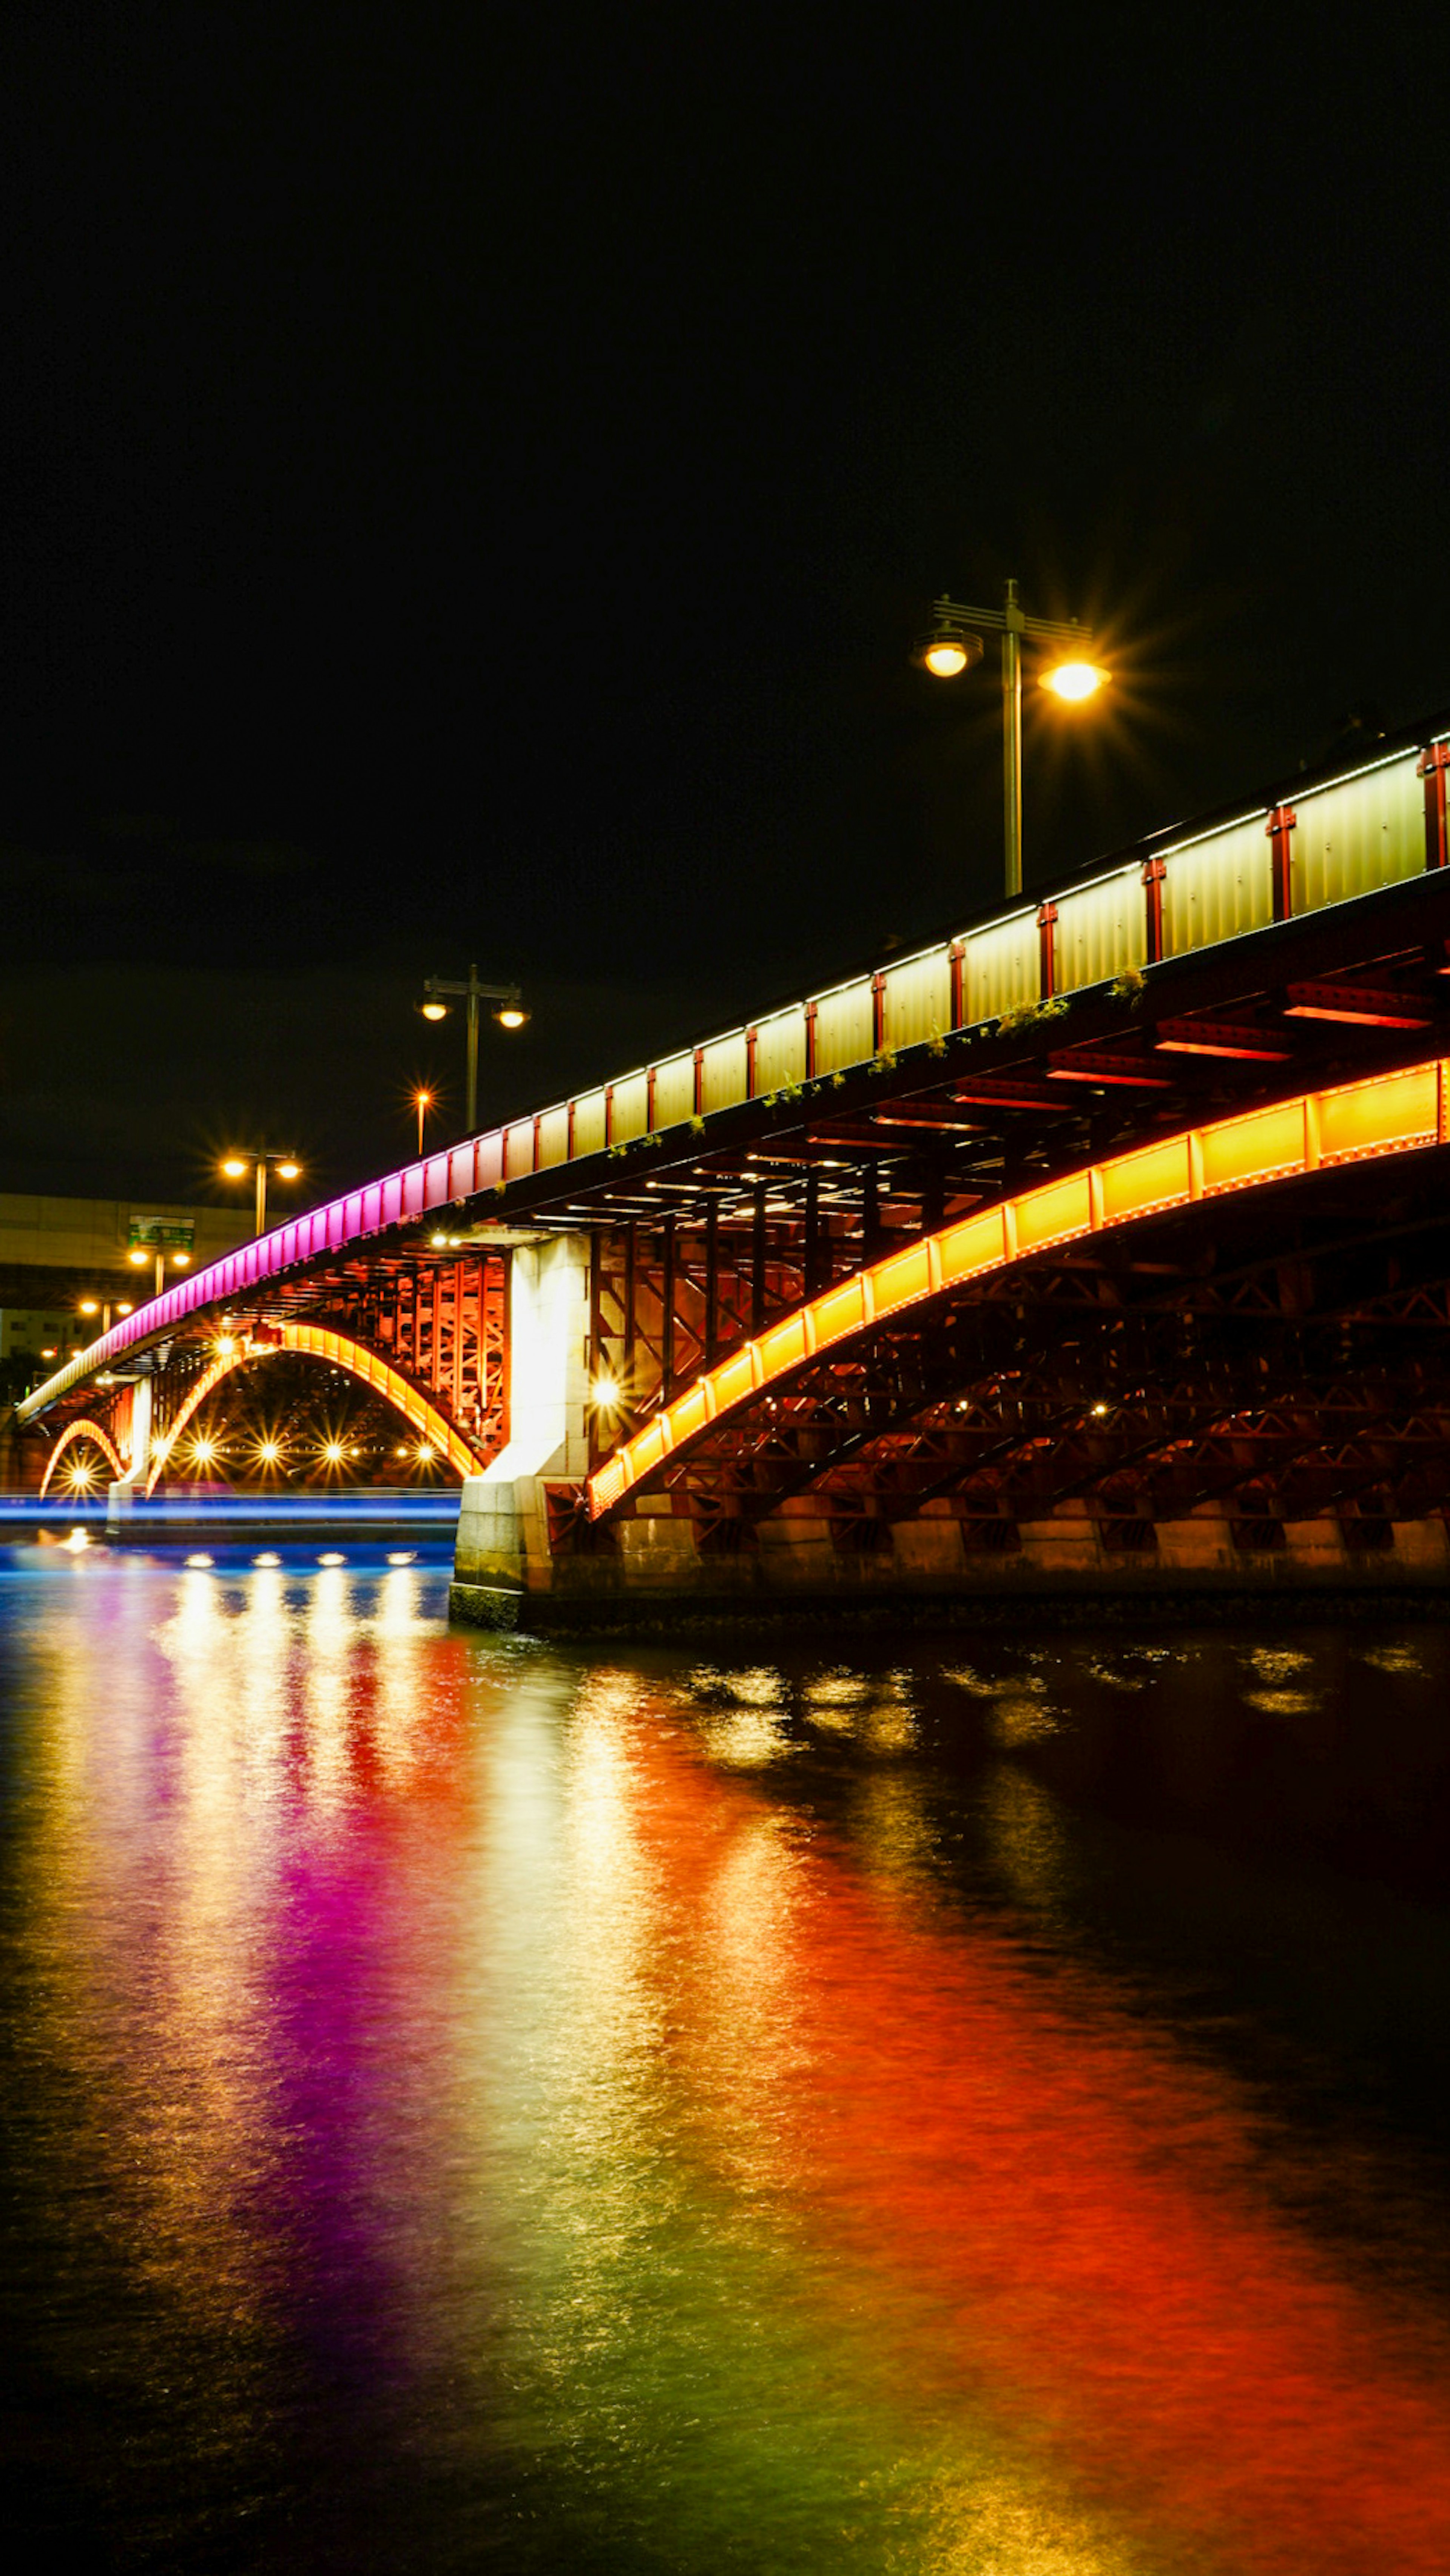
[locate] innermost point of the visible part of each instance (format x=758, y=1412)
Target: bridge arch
x=313, y=1341
x=1384, y=1114
x=81, y=1429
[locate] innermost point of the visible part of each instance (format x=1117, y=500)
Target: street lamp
x=954, y=646
x=510, y=1014
x=235, y=1167
x=422, y=1102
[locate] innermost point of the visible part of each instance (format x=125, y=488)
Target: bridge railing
x=1345, y=836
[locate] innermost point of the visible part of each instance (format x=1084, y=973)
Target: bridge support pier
x=502, y=1549
x=121, y=1495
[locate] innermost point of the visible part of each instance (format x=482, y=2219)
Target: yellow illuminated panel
x=784, y=1347
x=1401, y=1110
x=1054, y=1213
x=842, y=1310
x=734, y=1379
x=691, y=1413
x=901, y=1280
x=977, y=1244
x=1141, y=1183
x=1262, y=1145
x=1385, y=1114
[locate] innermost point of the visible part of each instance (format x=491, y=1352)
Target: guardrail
x=1344, y=836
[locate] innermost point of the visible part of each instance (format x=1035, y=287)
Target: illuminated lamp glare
x=234, y=1168
x=511, y=1017
x=288, y=1171
x=48, y=1354
x=945, y=660
x=439, y=1242
x=181, y=1260
x=89, y=1306
x=605, y=1393
x=224, y=1346
x=434, y=1010
x=125, y=1310
x=332, y=1451
x=402, y=1556
x=1074, y=681
x=426, y=1454
x=76, y=1541
x=267, y=1557
x=332, y=1557
x=269, y=1451
x=137, y=1259
x=200, y=1560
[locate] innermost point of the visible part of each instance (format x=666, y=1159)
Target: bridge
x=1102, y=1241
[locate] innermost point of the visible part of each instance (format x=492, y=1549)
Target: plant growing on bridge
x=1031, y=1015
x=1129, y=987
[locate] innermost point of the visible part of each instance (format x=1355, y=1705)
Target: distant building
x=70, y=1266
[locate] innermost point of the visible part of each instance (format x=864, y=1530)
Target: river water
x=961, y=2104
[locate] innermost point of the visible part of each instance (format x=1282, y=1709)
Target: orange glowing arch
x=83, y=1429
x=1391, y=1113
x=312, y=1341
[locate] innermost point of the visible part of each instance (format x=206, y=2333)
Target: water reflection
x=655, y=2113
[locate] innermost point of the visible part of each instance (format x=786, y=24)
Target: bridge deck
x=1276, y=950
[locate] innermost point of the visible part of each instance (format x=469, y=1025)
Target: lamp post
x=236, y=1167
x=955, y=646
x=510, y=1014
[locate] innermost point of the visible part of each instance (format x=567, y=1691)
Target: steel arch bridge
x=1115, y=1213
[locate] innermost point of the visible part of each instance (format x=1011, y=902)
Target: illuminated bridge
x=1102, y=1242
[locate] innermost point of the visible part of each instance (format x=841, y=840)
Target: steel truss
x=1307, y=1376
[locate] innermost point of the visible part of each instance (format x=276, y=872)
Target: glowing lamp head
x=332, y=1451
x=288, y=1171
x=269, y=1451
x=434, y=1010
x=125, y=1310
x=1074, y=681
x=181, y=1261
x=511, y=1017
x=606, y=1393
x=89, y=1306
x=426, y=1453
x=137, y=1258
x=235, y=1167
x=948, y=652
x=203, y=1451
x=225, y=1345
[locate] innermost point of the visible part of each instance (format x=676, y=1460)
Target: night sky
x=471, y=479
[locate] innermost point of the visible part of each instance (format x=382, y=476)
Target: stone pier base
x=647, y=1572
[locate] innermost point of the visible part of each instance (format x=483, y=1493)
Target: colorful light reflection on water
x=470, y=2101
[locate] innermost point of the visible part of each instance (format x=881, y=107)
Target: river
x=952, y=2104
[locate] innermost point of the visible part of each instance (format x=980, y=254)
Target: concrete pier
x=648, y=1571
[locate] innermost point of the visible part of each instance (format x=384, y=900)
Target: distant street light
x=236, y=1167
x=422, y=1102
x=510, y=1014
x=954, y=647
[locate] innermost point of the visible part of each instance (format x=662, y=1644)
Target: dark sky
x=471, y=478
